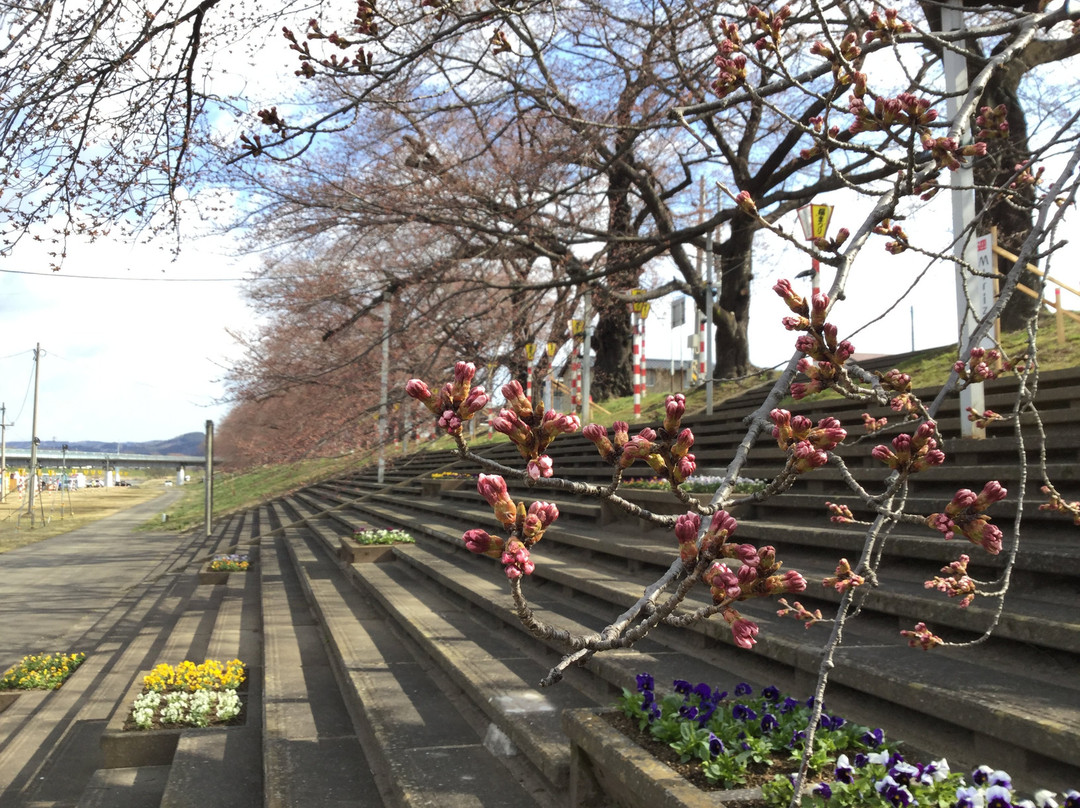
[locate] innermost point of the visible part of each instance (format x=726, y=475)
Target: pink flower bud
x=683, y=443
x=795, y=323
x=674, y=408
x=515, y=397
x=483, y=543
x=637, y=448
x=685, y=468
x=540, y=467
x=492, y=488
x=807, y=457
x=547, y=512
x=418, y=390
x=992, y=492
x=474, y=402
x=464, y=373
x=687, y=527
x=621, y=431
x=450, y=421
x=819, y=303
x=744, y=633
x=723, y=525
x=598, y=435
x=794, y=301
x=793, y=582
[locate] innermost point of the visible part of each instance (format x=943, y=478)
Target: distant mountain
x=190, y=443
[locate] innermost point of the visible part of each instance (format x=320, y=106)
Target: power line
x=121, y=278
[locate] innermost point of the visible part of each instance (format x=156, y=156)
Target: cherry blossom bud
x=598, y=435
x=491, y=487
x=767, y=557
x=795, y=323
x=463, y=376
x=827, y=434
x=683, y=443
x=746, y=202
x=922, y=637
x=621, y=431
x=547, y=512
x=674, y=408
x=723, y=583
x=795, y=302
x=686, y=532
x=961, y=501
x=418, y=390
x=819, y=303
x=637, y=448
x=483, y=543
x=992, y=492
x=450, y=421
x=746, y=575
x=508, y=423
x=989, y=536
x=555, y=423
x=540, y=467
x=744, y=632
x=807, y=457
x=844, y=351
x=722, y=526
x=515, y=397
x=474, y=402
x=806, y=343
x=685, y=468
x=793, y=582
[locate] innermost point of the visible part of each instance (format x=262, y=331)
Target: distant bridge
x=55, y=458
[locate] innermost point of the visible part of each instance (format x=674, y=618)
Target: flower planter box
x=352, y=552
x=211, y=577
x=610, y=770
x=434, y=488
x=146, y=747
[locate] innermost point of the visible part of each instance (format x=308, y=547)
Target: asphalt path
x=53, y=591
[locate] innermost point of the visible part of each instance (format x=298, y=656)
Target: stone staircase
x=412, y=683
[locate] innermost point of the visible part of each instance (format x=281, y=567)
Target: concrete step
x=423, y=749
x=311, y=755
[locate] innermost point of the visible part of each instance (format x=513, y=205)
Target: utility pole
x=33, y=433
x=209, y=488
x=3, y=453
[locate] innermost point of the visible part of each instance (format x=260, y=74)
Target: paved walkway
x=53, y=591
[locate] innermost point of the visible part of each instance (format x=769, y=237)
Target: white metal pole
x=384, y=378
x=586, y=369
x=963, y=213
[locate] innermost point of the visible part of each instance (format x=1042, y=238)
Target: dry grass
x=58, y=512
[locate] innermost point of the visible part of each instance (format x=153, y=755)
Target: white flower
x=881, y=758
x=1045, y=798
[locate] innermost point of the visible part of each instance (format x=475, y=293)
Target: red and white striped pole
x=637, y=364
x=528, y=381
x=644, y=361
x=701, y=348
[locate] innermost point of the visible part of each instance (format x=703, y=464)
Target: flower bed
x=230, y=563
x=445, y=481
x=722, y=742
x=41, y=671
x=372, y=545
x=145, y=727
x=216, y=570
